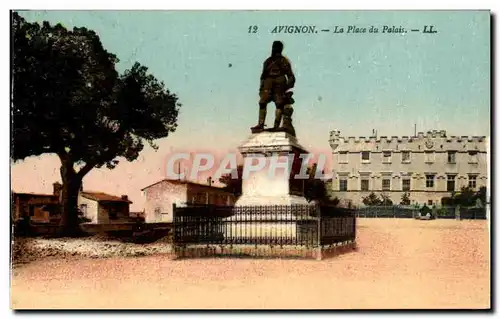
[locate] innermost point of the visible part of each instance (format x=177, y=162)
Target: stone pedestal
x=270, y=188
x=263, y=187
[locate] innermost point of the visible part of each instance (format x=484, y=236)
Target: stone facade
x=161, y=196
x=427, y=166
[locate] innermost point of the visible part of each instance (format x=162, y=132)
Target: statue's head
x=277, y=47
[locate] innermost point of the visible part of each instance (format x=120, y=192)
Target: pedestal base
x=259, y=200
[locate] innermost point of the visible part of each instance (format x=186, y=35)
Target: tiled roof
x=103, y=197
x=33, y=194
x=184, y=182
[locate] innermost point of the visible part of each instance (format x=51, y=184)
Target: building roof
x=184, y=182
x=103, y=197
x=34, y=194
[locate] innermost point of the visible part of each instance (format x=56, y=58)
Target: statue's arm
x=263, y=75
x=289, y=74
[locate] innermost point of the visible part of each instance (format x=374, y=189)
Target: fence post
x=175, y=229
x=354, y=221
x=318, y=207
x=319, y=253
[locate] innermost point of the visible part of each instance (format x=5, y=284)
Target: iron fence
x=442, y=212
x=473, y=213
x=387, y=212
x=279, y=225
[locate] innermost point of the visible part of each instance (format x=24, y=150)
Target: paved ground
x=399, y=264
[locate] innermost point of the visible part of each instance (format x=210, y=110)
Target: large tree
x=68, y=99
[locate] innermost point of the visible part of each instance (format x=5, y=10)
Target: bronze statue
x=287, y=114
x=276, y=79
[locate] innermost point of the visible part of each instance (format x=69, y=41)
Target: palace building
x=426, y=166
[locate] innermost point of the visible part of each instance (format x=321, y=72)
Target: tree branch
x=84, y=170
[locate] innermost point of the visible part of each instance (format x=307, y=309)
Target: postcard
x=334, y=160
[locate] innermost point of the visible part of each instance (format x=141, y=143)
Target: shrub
x=424, y=210
x=405, y=199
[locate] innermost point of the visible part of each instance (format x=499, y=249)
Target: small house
x=161, y=196
x=102, y=208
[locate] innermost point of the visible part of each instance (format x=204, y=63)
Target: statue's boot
x=287, y=120
x=277, y=118
x=262, y=120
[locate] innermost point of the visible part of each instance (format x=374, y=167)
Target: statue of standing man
x=276, y=79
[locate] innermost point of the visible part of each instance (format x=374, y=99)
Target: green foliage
x=481, y=195
x=233, y=185
x=386, y=201
x=467, y=197
x=372, y=200
x=442, y=211
x=335, y=201
x=424, y=210
x=68, y=99
x=315, y=188
x=405, y=199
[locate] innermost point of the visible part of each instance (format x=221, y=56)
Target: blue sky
x=351, y=82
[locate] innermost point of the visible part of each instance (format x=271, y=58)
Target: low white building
x=161, y=196
x=102, y=208
x=427, y=166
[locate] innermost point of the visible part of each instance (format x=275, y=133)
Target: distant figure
x=276, y=78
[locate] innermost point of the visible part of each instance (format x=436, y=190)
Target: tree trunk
x=69, y=225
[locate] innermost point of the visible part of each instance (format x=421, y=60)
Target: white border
x=183, y=5
x=254, y=5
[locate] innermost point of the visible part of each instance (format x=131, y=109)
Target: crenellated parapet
x=435, y=140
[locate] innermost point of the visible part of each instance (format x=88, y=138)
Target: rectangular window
x=365, y=185
x=452, y=157
x=406, y=184
x=450, y=184
x=387, y=157
x=473, y=158
x=365, y=156
x=429, y=157
x=429, y=202
x=386, y=184
x=405, y=157
x=472, y=181
x=83, y=209
x=112, y=213
x=342, y=157
x=198, y=198
x=429, y=181
x=343, y=185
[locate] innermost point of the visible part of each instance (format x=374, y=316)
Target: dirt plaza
x=399, y=264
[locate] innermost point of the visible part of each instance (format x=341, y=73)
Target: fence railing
x=442, y=212
x=387, y=212
x=280, y=225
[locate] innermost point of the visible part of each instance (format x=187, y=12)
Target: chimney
x=124, y=197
